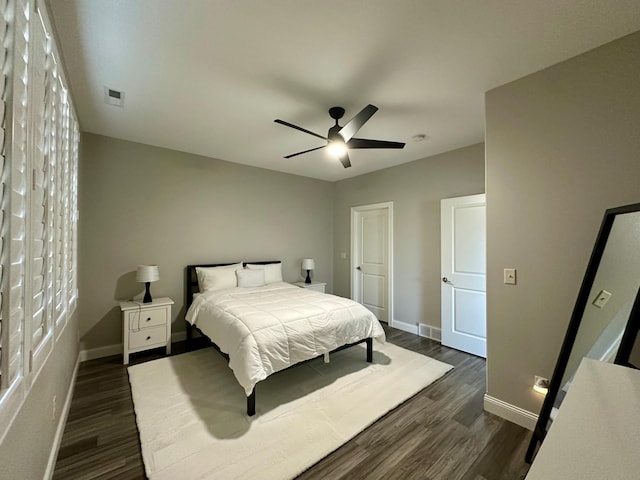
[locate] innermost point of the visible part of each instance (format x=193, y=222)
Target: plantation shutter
x=19, y=182
x=72, y=268
x=5, y=65
x=40, y=232
x=66, y=207
x=54, y=161
x=59, y=241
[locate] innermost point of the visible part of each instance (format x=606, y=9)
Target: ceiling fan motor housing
x=336, y=113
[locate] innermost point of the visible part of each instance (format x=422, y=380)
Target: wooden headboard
x=191, y=283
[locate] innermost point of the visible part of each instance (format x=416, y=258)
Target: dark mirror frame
x=628, y=338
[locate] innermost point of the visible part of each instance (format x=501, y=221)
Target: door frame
x=355, y=214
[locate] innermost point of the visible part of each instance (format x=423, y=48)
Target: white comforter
x=266, y=329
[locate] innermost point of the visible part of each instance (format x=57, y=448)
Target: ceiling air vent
x=113, y=97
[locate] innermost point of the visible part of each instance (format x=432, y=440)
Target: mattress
x=267, y=329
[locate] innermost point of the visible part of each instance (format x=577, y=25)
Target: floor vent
x=428, y=331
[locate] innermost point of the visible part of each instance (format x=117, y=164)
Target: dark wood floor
x=442, y=433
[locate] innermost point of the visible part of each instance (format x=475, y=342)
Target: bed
x=263, y=325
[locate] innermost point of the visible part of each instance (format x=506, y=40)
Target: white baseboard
x=109, y=350
x=62, y=421
x=100, y=352
x=406, y=327
x=509, y=412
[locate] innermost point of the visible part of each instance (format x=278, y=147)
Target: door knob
x=445, y=280
x=358, y=267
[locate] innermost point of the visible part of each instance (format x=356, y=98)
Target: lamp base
x=308, y=279
x=147, y=294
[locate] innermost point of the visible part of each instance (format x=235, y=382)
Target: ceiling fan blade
x=287, y=124
x=366, y=143
x=356, y=123
x=344, y=159
x=306, y=151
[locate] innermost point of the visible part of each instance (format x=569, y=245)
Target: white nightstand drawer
x=317, y=287
x=147, y=318
x=147, y=336
x=145, y=326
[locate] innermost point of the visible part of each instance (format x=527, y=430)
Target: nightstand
x=146, y=326
x=317, y=286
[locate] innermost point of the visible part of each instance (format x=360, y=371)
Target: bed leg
x=189, y=336
x=251, y=403
x=369, y=350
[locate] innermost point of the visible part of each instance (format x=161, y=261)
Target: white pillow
x=272, y=271
x=250, y=278
x=217, y=278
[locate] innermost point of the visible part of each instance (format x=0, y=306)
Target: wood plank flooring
x=442, y=433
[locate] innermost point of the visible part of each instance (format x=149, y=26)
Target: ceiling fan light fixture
x=337, y=149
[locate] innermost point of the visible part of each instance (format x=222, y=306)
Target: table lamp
x=147, y=274
x=308, y=265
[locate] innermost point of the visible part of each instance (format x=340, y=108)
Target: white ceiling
x=210, y=76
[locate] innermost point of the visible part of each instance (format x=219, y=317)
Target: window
x=38, y=201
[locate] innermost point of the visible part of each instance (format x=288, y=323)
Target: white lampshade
x=308, y=264
x=147, y=273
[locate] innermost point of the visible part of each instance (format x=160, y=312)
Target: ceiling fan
x=341, y=139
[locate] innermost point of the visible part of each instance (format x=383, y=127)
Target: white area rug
x=191, y=412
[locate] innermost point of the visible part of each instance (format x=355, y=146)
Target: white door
x=371, y=228
x=463, y=287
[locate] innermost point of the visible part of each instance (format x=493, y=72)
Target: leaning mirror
x=606, y=318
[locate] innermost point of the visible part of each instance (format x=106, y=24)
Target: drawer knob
x=149, y=319
x=149, y=338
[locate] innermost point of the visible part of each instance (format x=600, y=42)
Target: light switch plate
x=510, y=276
x=602, y=298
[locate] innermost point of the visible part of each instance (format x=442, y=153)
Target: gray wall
x=416, y=189
x=25, y=450
x=141, y=204
x=562, y=145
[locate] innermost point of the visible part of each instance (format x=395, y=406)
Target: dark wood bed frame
x=192, y=287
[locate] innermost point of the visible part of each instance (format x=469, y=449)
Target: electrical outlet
x=53, y=408
x=510, y=276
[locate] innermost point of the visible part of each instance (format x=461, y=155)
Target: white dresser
x=145, y=326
